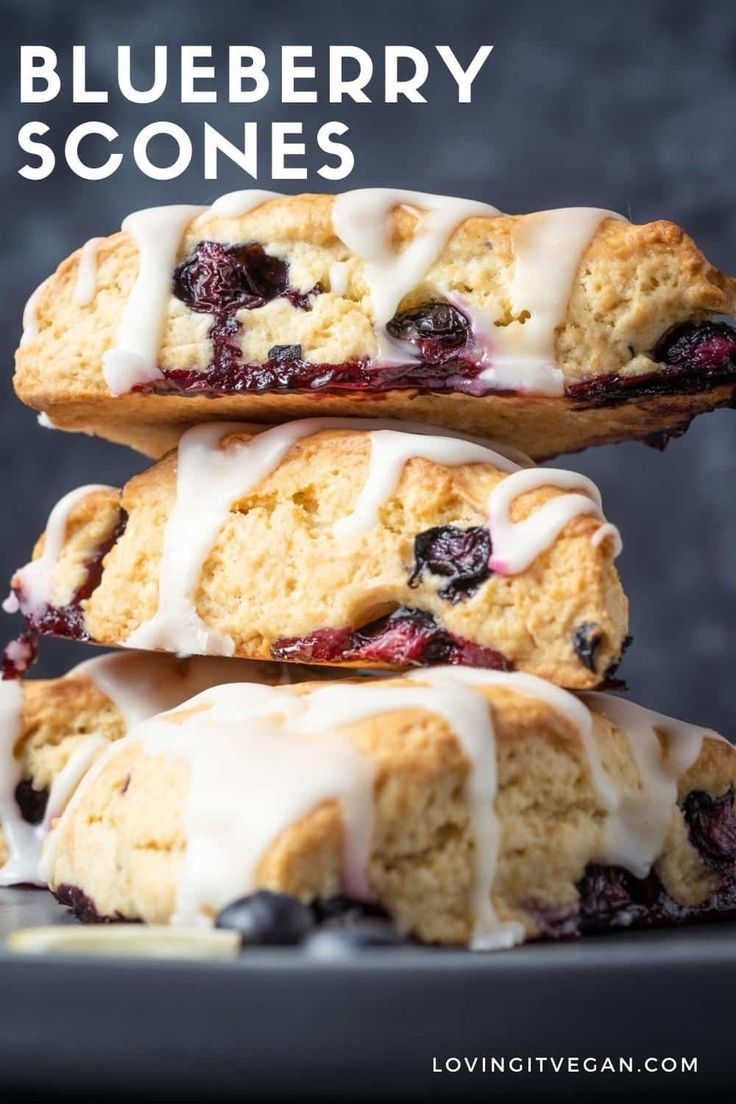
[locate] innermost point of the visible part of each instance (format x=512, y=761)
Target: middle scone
x=338, y=542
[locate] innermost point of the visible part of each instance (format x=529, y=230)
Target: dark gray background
x=625, y=105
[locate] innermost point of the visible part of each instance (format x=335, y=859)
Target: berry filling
x=220, y=280
x=695, y=356
x=460, y=556
x=408, y=637
x=83, y=906
x=711, y=823
x=611, y=897
x=69, y=620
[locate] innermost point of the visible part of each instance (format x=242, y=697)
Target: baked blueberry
x=438, y=330
x=586, y=642
x=459, y=555
x=712, y=825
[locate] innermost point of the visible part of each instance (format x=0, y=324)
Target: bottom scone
x=476, y=807
x=52, y=729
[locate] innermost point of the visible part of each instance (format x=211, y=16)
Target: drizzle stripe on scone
x=329, y=541
x=550, y=331
x=478, y=808
x=51, y=730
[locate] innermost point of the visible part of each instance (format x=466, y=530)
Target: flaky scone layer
x=276, y=571
x=633, y=284
x=123, y=844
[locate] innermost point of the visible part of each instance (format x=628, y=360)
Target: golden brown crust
x=276, y=570
x=633, y=284
x=123, y=844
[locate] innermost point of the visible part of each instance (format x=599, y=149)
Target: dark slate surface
x=627, y=106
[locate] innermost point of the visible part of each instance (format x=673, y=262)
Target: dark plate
x=277, y=1025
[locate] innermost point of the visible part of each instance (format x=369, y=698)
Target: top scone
x=550, y=331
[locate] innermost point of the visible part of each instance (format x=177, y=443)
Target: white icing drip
x=516, y=544
x=236, y=204
x=85, y=287
x=468, y=716
x=44, y=421
x=17, y=832
x=139, y=686
x=30, y=315
x=548, y=247
x=262, y=777
x=635, y=830
x=562, y=701
x=390, y=451
x=157, y=232
x=339, y=277
x=36, y=578
x=363, y=221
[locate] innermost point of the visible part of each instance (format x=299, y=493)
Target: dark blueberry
x=438, y=330
x=31, y=802
x=459, y=555
x=84, y=908
x=336, y=938
x=712, y=825
x=406, y=637
x=695, y=357
x=267, y=919
x=707, y=346
x=586, y=642
x=219, y=278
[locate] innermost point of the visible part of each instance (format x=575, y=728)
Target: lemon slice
x=126, y=941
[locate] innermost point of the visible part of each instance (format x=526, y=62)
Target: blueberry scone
x=52, y=730
x=476, y=807
x=549, y=331
x=338, y=542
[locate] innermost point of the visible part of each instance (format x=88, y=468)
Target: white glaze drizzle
x=390, y=452
x=635, y=830
x=339, y=277
x=139, y=686
x=210, y=479
x=468, y=716
x=562, y=701
x=157, y=232
x=30, y=315
x=363, y=220
x=516, y=544
x=85, y=287
x=37, y=577
x=16, y=830
x=548, y=246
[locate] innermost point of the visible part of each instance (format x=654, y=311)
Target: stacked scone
x=400, y=633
